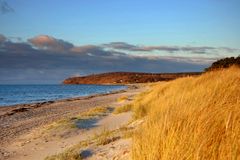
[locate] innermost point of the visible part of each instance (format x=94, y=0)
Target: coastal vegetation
x=101, y=139
x=190, y=118
x=224, y=63
x=77, y=121
x=121, y=109
x=122, y=99
x=71, y=153
x=126, y=78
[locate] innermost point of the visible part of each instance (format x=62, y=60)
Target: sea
x=26, y=94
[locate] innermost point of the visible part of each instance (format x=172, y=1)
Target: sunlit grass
x=97, y=111
x=71, y=121
x=72, y=153
x=122, y=99
x=105, y=137
x=190, y=118
x=121, y=109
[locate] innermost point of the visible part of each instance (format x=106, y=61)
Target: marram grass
x=190, y=118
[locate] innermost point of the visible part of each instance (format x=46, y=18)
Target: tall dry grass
x=190, y=118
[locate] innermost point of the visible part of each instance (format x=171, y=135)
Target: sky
x=48, y=41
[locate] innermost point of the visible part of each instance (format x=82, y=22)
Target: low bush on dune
x=190, y=118
x=224, y=63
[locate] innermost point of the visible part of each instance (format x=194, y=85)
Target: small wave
x=38, y=100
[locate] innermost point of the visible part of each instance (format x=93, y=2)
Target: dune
x=190, y=118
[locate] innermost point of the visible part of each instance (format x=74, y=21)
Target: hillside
x=125, y=78
x=190, y=118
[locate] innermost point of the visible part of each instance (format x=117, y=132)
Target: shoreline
x=40, y=104
x=77, y=97
x=4, y=110
x=19, y=120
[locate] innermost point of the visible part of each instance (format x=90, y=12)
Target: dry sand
x=20, y=124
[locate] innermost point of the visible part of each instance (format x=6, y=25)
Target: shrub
x=224, y=63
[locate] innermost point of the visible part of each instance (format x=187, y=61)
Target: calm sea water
x=21, y=94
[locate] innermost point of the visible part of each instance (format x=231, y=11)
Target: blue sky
x=92, y=36
x=150, y=22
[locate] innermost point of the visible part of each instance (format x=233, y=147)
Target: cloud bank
x=171, y=49
x=45, y=59
x=49, y=43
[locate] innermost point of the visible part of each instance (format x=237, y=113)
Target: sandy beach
x=20, y=125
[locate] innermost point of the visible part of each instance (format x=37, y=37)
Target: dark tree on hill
x=224, y=63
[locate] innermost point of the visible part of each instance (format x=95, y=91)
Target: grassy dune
x=190, y=118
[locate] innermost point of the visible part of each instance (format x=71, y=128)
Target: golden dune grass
x=190, y=118
x=122, y=99
x=121, y=109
